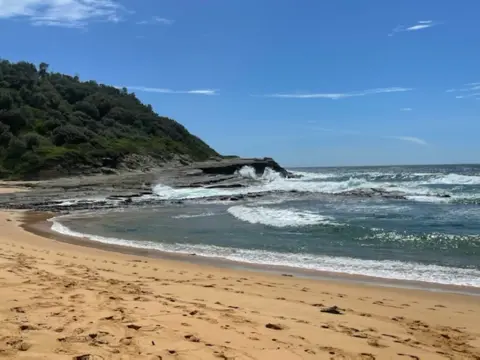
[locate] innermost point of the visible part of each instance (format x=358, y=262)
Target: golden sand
x=60, y=301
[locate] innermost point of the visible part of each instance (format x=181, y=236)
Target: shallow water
x=425, y=238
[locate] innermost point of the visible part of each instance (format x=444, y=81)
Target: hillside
x=53, y=124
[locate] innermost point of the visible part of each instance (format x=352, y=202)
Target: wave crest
x=278, y=217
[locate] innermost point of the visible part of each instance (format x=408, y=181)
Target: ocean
x=430, y=233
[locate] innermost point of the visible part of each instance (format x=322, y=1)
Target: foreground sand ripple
x=59, y=301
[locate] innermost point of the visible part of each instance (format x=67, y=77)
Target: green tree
x=69, y=134
x=87, y=108
x=55, y=121
x=16, y=148
x=32, y=140
x=6, y=101
x=43, y=69
x=15, y=119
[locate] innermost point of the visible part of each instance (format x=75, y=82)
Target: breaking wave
x=455, y=179
x=268, y=175
x=420, y=187
x=278, y=217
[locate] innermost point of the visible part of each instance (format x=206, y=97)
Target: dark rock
x=372, y=192
x=192, y=338
x=134, y=327
x=27, y=327
x=24, y=346
x=230, y=166
x=275, y=326
x=84, y=357
x=226, y=186
x=335, y=310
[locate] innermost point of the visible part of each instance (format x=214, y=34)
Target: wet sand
x=61, y=300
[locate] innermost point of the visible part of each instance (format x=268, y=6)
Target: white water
x=455, y=179
x=268, y=175
x=278, y=217
x=271, y=181
x=191, y=216
x=382, y=269
x=70, y=202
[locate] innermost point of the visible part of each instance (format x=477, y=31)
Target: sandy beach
x=62, y=301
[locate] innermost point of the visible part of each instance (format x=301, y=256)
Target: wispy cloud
x=65, y=13
x=337, y=96
x=406, y=109
x=170, y=91
x=420, y=25
x=470, y=90
x=156, y=20
x=467, y=95
x=411, y=139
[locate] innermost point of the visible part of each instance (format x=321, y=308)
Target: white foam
x=429, y=199
x=313, y=176
x=277, y=217
x=455, y=179
x=191, y=216
x=271, y=181
x=169, y=193
x=384, y=269
x=249, y=172
x=70, y=202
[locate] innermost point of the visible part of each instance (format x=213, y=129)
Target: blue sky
x=307, y=82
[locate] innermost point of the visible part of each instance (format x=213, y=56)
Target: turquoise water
x=432, y=236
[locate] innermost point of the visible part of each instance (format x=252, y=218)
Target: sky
x=310, y=83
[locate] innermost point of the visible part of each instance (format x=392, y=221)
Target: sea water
x=433, y=235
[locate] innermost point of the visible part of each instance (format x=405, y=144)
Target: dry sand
x=60, y=301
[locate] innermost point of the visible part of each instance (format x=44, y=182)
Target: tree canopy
x=55, y=122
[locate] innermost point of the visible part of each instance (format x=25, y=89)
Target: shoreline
x=62, y=299
x=37, y=223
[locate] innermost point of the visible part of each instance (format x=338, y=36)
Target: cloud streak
x=472, y=90
x=156, y=20
x=410, y=139
x=208, y=92
x=420, y=25
x=337, y=96
x=64, y=13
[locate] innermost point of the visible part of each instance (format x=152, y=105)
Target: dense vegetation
x=53, y=124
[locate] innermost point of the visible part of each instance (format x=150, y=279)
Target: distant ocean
x=304, y=223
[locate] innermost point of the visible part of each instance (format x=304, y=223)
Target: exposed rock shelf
x=135, y=189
